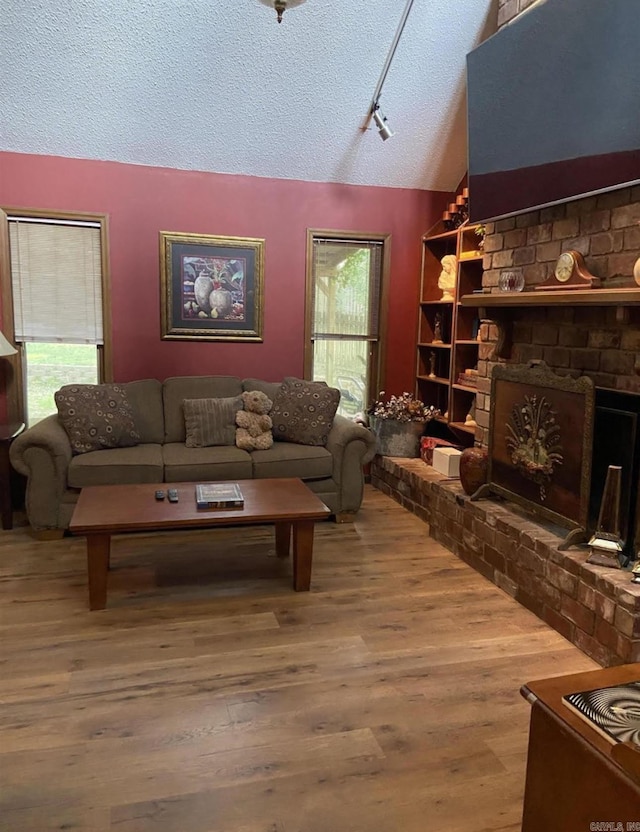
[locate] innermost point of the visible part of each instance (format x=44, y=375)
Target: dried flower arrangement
x=404, y=408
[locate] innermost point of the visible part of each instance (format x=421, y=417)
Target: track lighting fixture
x=381, y=123
x=374, y=112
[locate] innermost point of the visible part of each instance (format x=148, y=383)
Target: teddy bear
x=253, y=432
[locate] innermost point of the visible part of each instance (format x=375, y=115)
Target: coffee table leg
x=98, y=548
x=302, y=554
x=283, y=539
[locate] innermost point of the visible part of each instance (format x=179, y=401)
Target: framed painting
x=211, y=287
x=540, y=442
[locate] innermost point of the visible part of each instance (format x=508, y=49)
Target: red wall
x=141, y=201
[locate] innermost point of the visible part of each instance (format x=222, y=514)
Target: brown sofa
x=55, y=476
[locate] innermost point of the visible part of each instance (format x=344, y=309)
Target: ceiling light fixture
x=281, y=6
x=374, y=110
x=381, y=123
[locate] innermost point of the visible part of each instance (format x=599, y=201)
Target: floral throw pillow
x=96, y=416
x=303, y=411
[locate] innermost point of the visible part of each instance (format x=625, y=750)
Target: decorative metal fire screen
x=540, y=442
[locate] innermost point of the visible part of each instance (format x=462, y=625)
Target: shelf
x=461, y=426
x=436, y=380
x=462, y=351
x=565, y=297
x=444, y=235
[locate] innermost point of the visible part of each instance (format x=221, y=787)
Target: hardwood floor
x=210, y=697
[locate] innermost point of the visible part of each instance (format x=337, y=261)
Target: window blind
x=56, y=273
x=346, y=296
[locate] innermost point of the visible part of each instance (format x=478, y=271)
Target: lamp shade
x=5, y=347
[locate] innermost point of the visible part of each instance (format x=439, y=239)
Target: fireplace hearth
x=596, y=608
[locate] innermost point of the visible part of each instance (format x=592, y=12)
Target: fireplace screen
x=541, y=428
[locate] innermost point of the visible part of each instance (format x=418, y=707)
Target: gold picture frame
x=211, y=287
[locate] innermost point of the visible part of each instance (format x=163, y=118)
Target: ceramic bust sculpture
x=447, y=279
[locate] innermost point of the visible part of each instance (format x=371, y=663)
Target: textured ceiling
x=221, y=86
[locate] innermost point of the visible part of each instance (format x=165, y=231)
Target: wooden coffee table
x=103, y=510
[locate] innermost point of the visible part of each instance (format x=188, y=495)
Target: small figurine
x=437, y=328
x=635, y=572
x=447, y=279
x=470, y=420
x=432, y=364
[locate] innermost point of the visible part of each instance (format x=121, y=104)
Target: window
x=345, y=285
x=57, y=303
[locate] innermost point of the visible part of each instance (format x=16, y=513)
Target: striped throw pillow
x=211, y=421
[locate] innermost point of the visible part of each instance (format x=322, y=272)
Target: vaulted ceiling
x=221, y=86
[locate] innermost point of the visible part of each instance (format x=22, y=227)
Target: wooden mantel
x=561, y=297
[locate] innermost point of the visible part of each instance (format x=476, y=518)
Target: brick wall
x=508, y=9
x=601, y=342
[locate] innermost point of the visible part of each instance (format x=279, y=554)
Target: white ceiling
x=221, y=86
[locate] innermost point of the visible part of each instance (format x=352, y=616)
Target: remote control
x=172, y=494
x=159, y=495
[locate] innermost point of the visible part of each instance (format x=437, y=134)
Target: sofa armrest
x=351, y=447
x=42, y=453
x=345, y=431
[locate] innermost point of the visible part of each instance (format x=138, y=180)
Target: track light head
x=381, y=123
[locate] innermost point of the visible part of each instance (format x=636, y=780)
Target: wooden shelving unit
x=459, y=326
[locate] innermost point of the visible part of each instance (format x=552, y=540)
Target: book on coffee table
x=219, y=495
x=613, y=711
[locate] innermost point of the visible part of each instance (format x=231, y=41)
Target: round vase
x=474, y=464
x=221, y=302
x=394, y=438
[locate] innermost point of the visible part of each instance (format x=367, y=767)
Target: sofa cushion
x=145, y=397
x=176, y=390
x=269, y=388
x=96, y=416
x=303, y=411
x=286, y=459
x=117, y=466
x=225, y=462
x=211, y=421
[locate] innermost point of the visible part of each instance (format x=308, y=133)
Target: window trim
x=15, y=367
x=377, y=369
